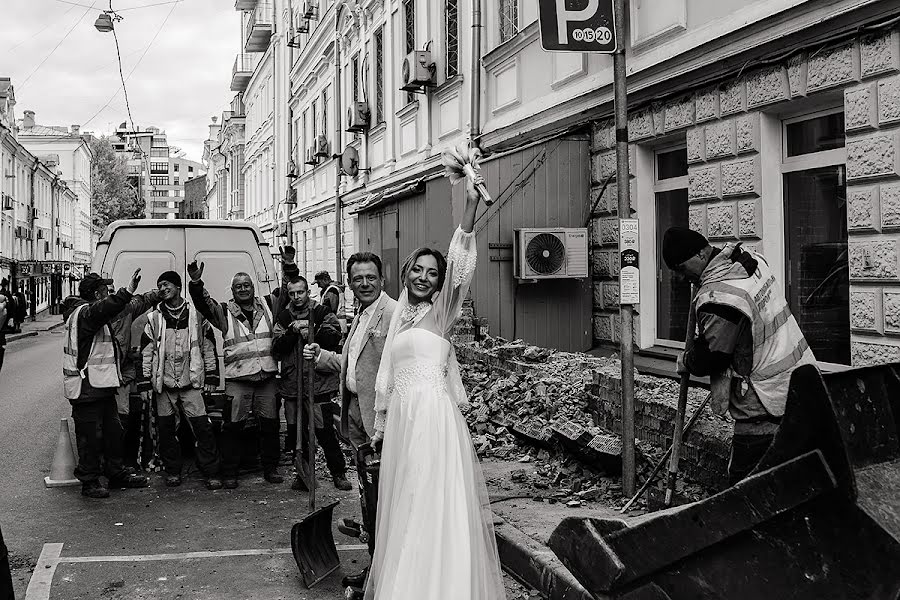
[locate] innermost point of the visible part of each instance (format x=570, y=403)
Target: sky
x=182, y=80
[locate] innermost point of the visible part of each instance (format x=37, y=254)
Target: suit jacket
x=366, y=365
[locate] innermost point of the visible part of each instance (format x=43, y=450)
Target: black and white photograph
x=449, y=299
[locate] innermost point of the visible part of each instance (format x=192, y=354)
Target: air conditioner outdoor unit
x=311, y=156
x=322, y=147
x=294, y=35
x=310, y=10
x=551, y=253
x=358, y=116
x=418, y=71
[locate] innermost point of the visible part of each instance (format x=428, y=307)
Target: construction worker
x=3, y=304
x=291, y=331
x=747, y=340
x=179, y=364
x=91, y=377
x=247, y=325
x=329, y=292
x=122, y=332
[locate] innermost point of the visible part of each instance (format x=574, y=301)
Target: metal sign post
x=598, y=26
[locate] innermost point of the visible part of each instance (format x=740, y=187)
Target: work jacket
x=286, y=345
x=248, y=346
x=121, y=328
x=160, y=350
x=778, y=344
x=101, y=367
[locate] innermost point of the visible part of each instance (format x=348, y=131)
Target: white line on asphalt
x=42, y=579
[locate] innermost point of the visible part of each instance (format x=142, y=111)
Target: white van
x=158, y=245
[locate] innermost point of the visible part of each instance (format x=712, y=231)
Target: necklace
x=414, y=312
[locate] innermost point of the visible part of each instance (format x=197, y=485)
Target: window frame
x=447, y=40
x=810, y=160
x=517, y=26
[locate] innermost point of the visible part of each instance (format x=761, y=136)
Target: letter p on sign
x=577, y=25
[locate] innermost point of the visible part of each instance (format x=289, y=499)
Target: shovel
x=312, y=539
x=678, y=438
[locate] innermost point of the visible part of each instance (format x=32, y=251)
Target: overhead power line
x=43, y=29
x=46, y=58
x=136, y=65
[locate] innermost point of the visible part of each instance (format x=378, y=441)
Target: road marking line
x=190, y=555
x=42, y=578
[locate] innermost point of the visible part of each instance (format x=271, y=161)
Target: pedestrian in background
x=3, y=304
x=247, y=325
x=91, y=378
x=329, y=292
x=179, y=364
x=747, y=340
x=292, y=329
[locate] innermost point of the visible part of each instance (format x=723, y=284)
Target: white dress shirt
x=358, y=341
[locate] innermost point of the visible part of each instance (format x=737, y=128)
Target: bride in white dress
x=434, y=530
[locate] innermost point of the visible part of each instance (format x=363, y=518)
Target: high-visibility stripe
x=100, y=360
x=770, y=329
x=785, y=363
x=70, y=351
x=234, y=357
x=72, y=373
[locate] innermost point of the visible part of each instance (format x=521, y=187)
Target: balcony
x=245, y=4
x=259, y=27
x=241, y=72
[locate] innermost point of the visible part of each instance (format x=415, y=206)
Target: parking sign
x=578, y=25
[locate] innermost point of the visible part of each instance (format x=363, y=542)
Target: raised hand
x=288, y=253
x=195, y=272
x=135, y=281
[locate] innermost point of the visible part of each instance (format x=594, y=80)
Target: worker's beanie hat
x=681, y=243
x=170, y=276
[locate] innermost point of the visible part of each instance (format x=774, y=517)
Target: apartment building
x=41, y=206
x=766, y=122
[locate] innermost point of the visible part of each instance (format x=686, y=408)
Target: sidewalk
x=45, y=322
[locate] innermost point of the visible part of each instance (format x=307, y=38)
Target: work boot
x=173, y=480
x=299, y=485
x=214, y=483
x=129, y=481
x=273, y=476
x=229, y=483
x=341, y=483
x=94, y=489
x=355, y=581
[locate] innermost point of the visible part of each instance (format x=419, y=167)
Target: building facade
x=769, y=122
x=154, y=170
x=41, y=225
x=194, y=205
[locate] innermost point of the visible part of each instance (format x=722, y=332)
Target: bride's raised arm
x=461, y=258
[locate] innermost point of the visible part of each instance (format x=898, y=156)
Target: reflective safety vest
x=248, y=352
x=778, y=344
x=156, y=331
x=101, y=368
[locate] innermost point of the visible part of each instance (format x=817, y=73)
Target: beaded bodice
x=420, y=357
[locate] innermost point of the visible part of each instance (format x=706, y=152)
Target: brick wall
x=722, y=128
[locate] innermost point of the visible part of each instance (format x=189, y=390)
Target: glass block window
x=509, y=19
x=325, y=112
x=379, y=75
x=354, y=77
x=451, y=20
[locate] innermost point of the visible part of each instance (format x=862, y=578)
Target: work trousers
x=98, y=433
x=323, y=424
x=169, y=405
x=130, y=417
x=243, y=399
x=746, y=452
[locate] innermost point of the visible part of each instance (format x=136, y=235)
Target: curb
x=536, y=565
x=18, y=336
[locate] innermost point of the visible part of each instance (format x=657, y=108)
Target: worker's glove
x=679, y=365
x=287, y=253
x=194, y=271
x=135, y=281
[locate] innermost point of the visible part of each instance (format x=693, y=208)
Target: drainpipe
x=475, y=108
x=338, y=120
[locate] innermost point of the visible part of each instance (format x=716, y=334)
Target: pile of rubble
x=541, y=416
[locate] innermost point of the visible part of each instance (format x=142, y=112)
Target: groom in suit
x=361, y=356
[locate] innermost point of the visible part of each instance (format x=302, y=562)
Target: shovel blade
x=312, y=543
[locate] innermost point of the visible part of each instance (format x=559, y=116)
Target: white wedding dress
x=434, y=531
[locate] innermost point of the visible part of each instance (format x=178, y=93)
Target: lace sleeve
x=461, y=259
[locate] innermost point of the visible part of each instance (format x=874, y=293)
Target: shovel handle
x=682, y=404
x=311, y=421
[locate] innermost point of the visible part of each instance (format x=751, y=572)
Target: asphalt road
x=138, y=538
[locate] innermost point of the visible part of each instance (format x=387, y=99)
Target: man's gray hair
x=241, y=274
